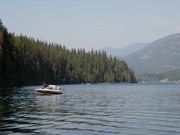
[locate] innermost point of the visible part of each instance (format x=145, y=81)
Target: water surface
x=99, y=109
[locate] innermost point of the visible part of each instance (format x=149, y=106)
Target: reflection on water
x=93, y=109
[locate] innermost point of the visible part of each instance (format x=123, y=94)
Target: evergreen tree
x=26, y=61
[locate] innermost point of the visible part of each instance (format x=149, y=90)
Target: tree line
x=168, y=76
x=28, y=61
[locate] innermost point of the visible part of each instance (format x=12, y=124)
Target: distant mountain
x=121, y=52
x=159, y=56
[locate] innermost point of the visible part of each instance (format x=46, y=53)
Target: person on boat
x=44, y=85
x=58, y=87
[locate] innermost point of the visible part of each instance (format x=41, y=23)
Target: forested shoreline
x=27, y=61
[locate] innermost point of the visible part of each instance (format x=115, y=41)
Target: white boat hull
x=49, y=91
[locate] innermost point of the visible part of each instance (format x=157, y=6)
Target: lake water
x=98, y=109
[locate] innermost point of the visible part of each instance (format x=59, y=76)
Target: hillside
x=121, y=52
x=159, y=56
x=26, y=61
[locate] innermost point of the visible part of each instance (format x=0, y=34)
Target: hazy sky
x=92, y=23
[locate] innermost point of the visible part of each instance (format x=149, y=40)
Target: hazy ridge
x=158, y=61
x=159, y=56
x=122, y=52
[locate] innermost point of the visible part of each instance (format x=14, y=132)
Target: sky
x=92, y=24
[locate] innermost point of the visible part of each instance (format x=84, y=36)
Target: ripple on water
x=93, y=109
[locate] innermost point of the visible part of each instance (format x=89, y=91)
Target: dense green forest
x=27, y=61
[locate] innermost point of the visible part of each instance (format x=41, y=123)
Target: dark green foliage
x=8, y=60
x=30, y=62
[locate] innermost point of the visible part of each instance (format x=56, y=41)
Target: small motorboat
x=50, y=89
